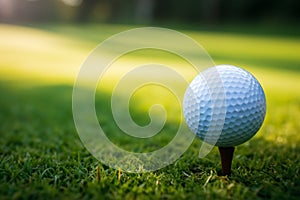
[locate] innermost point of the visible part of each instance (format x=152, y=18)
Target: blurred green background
x=137, y=11
x=42, y=46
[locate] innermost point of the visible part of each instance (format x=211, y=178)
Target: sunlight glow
x=72, y=2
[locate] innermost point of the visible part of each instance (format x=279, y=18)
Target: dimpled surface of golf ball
x=224, y=106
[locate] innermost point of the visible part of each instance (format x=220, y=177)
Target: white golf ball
x=224, y=106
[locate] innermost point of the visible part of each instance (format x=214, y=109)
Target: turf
x=41, y=155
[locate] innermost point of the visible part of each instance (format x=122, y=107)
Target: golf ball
x=224, y=106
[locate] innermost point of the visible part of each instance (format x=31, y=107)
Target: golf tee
x=226, y=154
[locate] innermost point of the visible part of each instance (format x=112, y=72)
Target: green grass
x=41, y=155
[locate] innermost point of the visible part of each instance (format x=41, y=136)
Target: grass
x=41, y=155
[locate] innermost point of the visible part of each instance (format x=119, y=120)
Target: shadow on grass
x=269, y=167
x=45, y=108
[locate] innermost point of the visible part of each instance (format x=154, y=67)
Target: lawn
x=41, y=155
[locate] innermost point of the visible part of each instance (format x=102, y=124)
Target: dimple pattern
x=244, y=108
